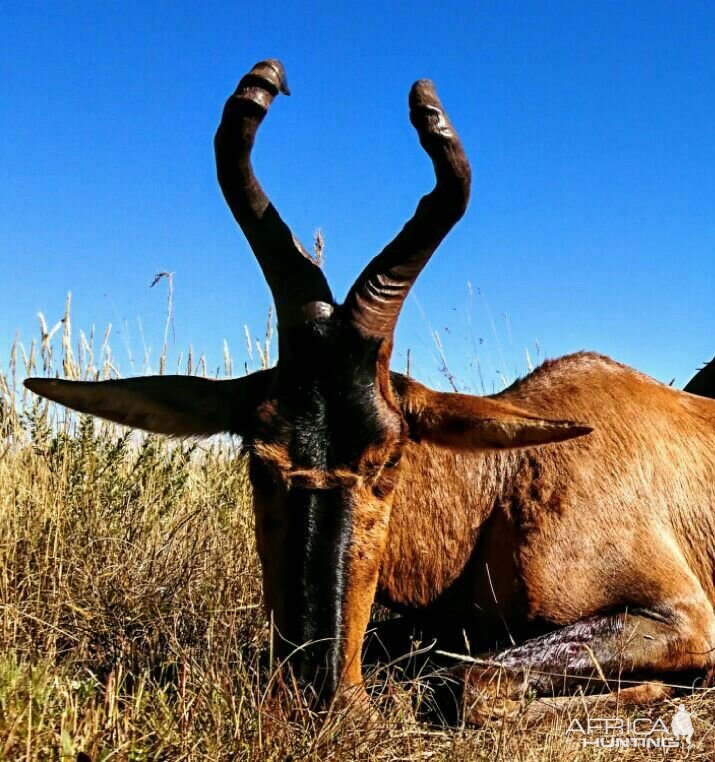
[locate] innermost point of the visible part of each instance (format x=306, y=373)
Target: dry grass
x=130, y=617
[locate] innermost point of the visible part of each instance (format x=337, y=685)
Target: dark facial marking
x=326, y=415
x=327, y=539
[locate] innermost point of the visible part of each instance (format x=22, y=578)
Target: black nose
x=317, y=671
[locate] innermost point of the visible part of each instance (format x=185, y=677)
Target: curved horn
x=296, y=282
x=375, y=300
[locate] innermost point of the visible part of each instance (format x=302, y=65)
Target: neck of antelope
x=441, y=505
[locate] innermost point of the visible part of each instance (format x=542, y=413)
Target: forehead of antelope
x=331, y=410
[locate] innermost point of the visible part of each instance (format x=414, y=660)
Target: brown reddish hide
x=604, y=545
x=622, y=517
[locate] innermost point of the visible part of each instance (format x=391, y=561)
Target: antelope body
x=573, y=513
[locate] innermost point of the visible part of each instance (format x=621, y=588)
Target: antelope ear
x=464, y=422
x=175, y=405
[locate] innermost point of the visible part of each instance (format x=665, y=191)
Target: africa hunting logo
x=641, y=732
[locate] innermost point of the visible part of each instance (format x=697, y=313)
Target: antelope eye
x=393, y=461
x=265, y=475
x=387, y=478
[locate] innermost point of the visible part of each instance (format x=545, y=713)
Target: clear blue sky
x=590, y=127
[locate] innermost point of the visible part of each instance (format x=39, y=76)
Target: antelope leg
x=595, y=653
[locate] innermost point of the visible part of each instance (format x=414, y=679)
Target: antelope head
x=327, y=427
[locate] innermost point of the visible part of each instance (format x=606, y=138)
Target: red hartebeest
x=573, y=512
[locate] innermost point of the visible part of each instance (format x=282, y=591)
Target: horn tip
x=273, y=71
x=423, y=90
